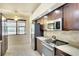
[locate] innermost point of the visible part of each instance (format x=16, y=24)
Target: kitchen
x=60, y=25
x=48, y=29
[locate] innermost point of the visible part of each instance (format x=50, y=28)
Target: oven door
x=47, y=50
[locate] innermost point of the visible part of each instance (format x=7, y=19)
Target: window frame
x=17, y=26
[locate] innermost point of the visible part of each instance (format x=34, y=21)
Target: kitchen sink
x=49, y=41
x=56, y=42
x=49, y=46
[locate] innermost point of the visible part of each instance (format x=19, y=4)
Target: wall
x=69, y=36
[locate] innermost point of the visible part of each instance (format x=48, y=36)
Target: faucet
x=54, y=37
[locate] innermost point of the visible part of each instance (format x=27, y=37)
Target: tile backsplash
x=72, y=37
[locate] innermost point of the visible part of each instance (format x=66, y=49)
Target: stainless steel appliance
x=36, y=31
x=55, y=24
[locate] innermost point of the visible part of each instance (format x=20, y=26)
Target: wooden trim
x=21, y=20
x=9, y=19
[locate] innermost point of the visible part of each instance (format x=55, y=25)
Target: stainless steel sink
x=56, y=42
x=49, y=46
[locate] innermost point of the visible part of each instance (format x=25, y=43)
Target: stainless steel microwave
x=55, y=24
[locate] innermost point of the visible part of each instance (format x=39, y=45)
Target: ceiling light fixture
x=3, y=18
x=16, y=18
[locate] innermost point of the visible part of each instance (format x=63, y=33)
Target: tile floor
x=19, y=46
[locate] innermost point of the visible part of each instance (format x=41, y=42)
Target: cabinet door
x=71, y=16
x=55, y=14
x=39, y=46
x=0, y=48
x=60, y=53
x=4, y=45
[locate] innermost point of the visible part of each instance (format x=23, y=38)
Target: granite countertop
x=41, y=38
x=69, y=49
x=65, y=48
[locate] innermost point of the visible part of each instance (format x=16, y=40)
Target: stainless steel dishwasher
x=47, y=50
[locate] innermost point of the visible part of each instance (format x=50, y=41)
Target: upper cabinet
x=55, y=14
x=69, y=13
x=71, y=16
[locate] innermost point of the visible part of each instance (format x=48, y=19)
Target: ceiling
x=18, y=9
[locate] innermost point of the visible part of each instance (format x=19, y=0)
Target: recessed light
x=16, y=18
x=57, y=11
x=46, y=17
x=3, y=18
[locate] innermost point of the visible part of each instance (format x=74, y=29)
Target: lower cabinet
x=0, y=48
x=4, y=45
x=55, y=52
x=60, y=53
x=39, y=46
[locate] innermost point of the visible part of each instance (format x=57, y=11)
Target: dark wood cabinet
x=4, y=45
x=0, y=26
x=55, y=14
x=39, y=46
x=71, y=16
x=3, y=36
x=60, y=53
x=0, y=47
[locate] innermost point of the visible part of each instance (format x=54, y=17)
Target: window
x=15, y=27
x=11, y=26
x=21, y=27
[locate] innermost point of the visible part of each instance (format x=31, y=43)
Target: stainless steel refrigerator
x=36, y=31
